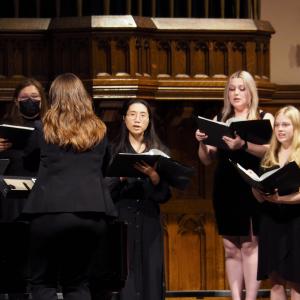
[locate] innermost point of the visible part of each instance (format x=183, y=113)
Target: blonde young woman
x=279, y=243
x=68, y=205
x=234, y=205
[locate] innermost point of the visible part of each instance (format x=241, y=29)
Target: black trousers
x=61, y=249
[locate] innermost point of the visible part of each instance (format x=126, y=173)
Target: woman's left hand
x=274, y=197
x=148, y=170
x=234, y=143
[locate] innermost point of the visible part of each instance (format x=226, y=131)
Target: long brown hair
x=71, y=120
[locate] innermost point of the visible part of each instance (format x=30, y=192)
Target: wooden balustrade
x=154, y=8
x=155, y=58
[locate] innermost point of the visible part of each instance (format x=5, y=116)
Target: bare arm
x=206, y=153
x=293, y=198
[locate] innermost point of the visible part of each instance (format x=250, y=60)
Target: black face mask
x=29, y=108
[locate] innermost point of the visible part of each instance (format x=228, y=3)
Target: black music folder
x=284, y=178
x=254, y=131
x=174, y=172
x=17, y=135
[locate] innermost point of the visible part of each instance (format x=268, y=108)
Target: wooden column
x=171, y=8
x=38, y=8
x=153, y=8
x=222, y=8
x=237, y=8
x=140, y=7
x=128, y=7
x=189, y=8
x=206, y=8
x=79, y=8
x=16, y=8
x=106, y=7
x=57, y=8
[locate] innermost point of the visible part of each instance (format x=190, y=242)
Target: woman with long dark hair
x=137, y=200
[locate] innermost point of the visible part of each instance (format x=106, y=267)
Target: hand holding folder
x=284, y=178
x=17, y=135
x=254, y=131
x=175, y=173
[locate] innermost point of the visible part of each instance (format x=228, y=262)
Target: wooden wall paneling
x=266, y=60
x=39, y=59
x=259, y=58
x=220, y=59
x=146, y=58
x=164, y=58
x=140, y=57
x=200, y=59
x=120, y=55
x=237, y=56
x=133, y=63
x=101, y=56
x=251, y=56
x=3, y=59
x=181, y=58
x=18, y=60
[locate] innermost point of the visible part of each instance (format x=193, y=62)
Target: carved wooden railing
x=154, y=8
x=121, y=57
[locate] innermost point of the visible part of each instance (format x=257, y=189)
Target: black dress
x=279, y=243
x=137, y=201
x=234, y=204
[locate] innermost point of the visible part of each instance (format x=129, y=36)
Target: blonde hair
x=71, y=120
x=271, y=156
x=250, y=85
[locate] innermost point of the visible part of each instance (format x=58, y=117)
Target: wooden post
x=57, y=8
x=189, y=8
x=153, y=8
x=38, y=8
x=206, y=8
x=106, y=7
x=128, y=7
x=249, y=10
x=140, y=7
x=171, y=8
x=79, y=8
x=222, y=8
x=16, y=9
x=238, y=8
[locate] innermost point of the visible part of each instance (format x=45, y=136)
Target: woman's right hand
x=4, y=144
x=200, y=136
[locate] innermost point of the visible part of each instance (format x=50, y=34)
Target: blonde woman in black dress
x=235, y=208
x=279, y=243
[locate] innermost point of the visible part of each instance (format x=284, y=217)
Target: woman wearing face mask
x=28, y=104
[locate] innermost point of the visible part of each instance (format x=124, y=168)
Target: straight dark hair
x=121, y=142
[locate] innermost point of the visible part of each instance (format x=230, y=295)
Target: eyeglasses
x=135, y=115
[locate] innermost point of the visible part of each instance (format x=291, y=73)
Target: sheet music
x=19, y=184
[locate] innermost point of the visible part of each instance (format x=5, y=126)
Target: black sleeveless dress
x=279, y=242
x=234, y=204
